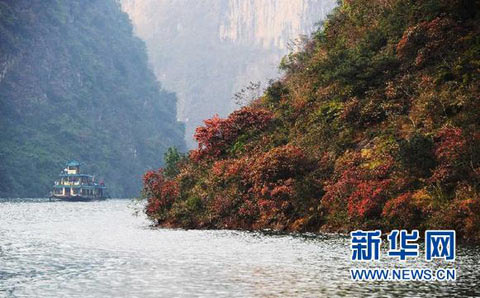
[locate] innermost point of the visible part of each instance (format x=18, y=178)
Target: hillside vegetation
x=375, y=124
x=74, y=84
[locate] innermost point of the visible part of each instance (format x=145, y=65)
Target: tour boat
x=74, y=186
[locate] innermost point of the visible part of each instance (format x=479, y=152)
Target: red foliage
x=396, y=207
x=282, y=192
x=266, y=184
x=218, y=134
x=272, y=178
x=279, y=163
x=368, y=197
x=451, y=145
x=427, y=40
x=463, y=214
x=450, y=150
x=152, y=181
x=361, y=189
x=402, y=212
x=160, y=193
x=469, y=211
x=248, y=210
x=221, y=205
x=229, y=168
x=211, y=138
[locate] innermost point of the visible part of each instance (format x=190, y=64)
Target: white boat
x=75, y=186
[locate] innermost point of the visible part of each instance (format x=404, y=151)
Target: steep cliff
x=74, y=83
x=206, y=51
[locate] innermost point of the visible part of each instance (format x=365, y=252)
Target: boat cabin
x=73, y=167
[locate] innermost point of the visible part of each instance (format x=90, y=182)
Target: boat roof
x=79, y=186
x=73, y=163
x=75, y=175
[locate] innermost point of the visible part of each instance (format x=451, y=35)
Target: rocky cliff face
x=206, y=51
x=271, y=23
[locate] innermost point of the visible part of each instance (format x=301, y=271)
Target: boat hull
x=78, y=198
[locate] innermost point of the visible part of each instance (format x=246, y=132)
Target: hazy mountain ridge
x=74, y=83
x=205, y=51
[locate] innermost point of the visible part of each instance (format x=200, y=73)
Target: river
x=100, y=249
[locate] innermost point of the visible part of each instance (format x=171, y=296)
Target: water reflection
x=99, y=249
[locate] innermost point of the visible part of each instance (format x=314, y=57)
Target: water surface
x=99, y=249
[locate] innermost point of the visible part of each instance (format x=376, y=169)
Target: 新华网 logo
x=439, y=245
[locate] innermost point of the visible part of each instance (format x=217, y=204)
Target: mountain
x=206, y=51
x=375, y=125
x=75, y=84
